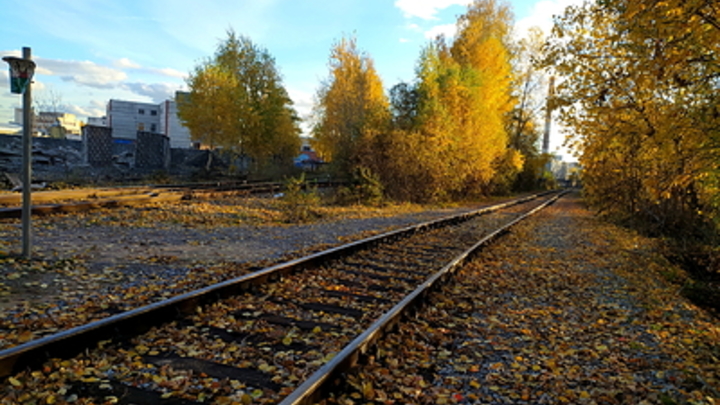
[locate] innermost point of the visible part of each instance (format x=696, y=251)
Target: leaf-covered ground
x=90, y=265
x=563, y=310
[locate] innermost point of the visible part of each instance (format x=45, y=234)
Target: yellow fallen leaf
x=25, y=336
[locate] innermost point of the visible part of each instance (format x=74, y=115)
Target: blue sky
x=89, y=51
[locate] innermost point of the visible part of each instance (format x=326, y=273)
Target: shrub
x=300, y=201
x=364, y=188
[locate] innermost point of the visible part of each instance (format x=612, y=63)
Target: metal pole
x=548, y=116
x=27, y=166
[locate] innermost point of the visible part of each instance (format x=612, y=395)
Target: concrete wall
x=101, y=156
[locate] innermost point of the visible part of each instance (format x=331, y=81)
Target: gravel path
x=106, y=245
x=91, y=265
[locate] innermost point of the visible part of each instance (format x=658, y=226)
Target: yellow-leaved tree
x=640, y=91
x=484, y=44
x=352, y=112
x=450, y=136
x=237, y=102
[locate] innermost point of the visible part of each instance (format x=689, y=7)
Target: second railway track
x=64, y=201
x=280, y=334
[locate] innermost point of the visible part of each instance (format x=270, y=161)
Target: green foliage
x=548, y=181
x=365, y=189
x=507, y=169
x=300, y=200
x=237, y=102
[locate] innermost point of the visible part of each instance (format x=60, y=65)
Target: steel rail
x=141, y=196
x=310, y=390
x=131, y=323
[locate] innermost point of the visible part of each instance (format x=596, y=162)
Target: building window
x=141, y=126
x=153, y=127
x=141, y=111
x=153, y=112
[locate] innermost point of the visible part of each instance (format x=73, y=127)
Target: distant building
x=55, y=124
x=564, y=172
x=308, y=158
x=10, y=128
x=126, y=118
x=171, y=125
x=97, y=121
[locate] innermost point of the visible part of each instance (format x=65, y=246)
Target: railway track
x=50, y=202
x=279, y=335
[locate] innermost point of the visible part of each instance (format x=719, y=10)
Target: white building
x=97, y=121
x=126, y=118
x=172, y=127
x=45, y=121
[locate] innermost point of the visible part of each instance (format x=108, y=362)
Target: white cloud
x=126, y=63
x=84, y=73
x=100, y=105
x=447, y=30
x=14, y=53
x=158, y=92
x=170, y=73
x=303, y=102
x=542, y=15
x=427, y=9
x=404, y=40
x=90, y=111
x=38, y=86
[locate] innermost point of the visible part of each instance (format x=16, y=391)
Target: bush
x=364, y=188
x=300, y=201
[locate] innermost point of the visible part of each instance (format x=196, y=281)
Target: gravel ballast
x=565, y=309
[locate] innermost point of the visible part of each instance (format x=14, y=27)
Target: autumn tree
x=524, y=122
x=237, y=102
x=641, y=94
x=352, y=111
x=482, y=49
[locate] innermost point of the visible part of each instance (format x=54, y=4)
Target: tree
x=237, y=102
x=484, y=44
x=642, y=97
x=404, y=99
x=449, y=137
x=352, y=112
x=524, y=122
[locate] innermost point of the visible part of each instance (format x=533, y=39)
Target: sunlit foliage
x=352, y=111
x=640, y=90
x=237, y=102
x=450, y=124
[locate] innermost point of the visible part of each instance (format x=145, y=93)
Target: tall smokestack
x=548, y=116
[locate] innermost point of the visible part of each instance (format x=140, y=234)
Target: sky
x=90, y=51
